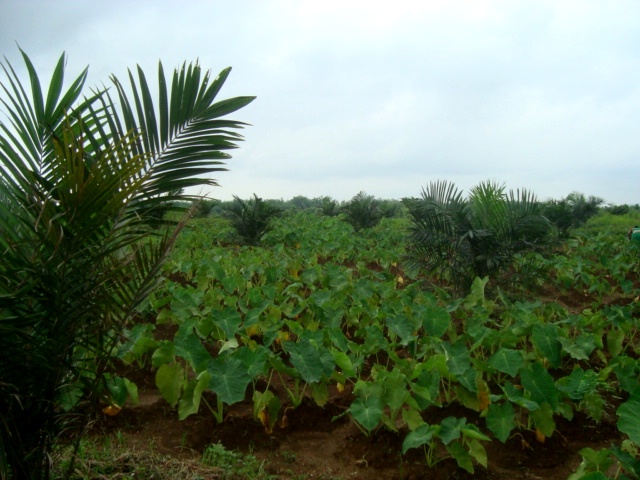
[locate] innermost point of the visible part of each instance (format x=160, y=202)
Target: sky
x=381, y=96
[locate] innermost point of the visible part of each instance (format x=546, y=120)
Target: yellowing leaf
x=253, y=331
x=111, y=410
x=484, y=395
x=340, y=387
x=264, y=418
x=400, y=280
x=540, y=436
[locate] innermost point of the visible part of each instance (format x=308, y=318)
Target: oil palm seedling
x=80, y=180
x=463, y=238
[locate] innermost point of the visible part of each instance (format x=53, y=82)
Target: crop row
x=320, y=309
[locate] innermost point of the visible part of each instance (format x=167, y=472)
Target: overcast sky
x=382, y=96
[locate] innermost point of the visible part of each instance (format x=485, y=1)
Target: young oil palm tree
x=252, y=218
x=464, y=238
x=362, y=211
x=79, y=180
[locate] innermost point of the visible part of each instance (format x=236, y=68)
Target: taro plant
x=252, y=218
x=80, y=180
x=463, y=238
x=362, y=211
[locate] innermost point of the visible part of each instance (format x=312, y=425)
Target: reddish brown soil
x=314, y=445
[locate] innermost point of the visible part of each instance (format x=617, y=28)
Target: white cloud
x=384, y=97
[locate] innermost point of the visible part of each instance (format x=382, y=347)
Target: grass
x=234, y=465
x=605, y=221
x=109, y=457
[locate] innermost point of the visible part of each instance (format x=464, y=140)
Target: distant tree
x=301, y=202
x=619, y=209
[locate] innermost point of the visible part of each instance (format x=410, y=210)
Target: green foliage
x=571, y=212
x=234, y=465
x=321, y=309
x=252, y=218
x=362, y=211
x=329, y=206
x=463, y=238
x=204, y=207
x=80, y=180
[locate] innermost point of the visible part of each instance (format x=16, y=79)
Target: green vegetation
x=320, y=308
x=440, y=350
x=81, y=182
x=460, y=239
x=362, y=211
x=571, y=212
x=234, y=465
x=251, y=219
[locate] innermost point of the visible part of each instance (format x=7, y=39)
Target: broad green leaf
x=402, y=327
x=436, y=321
x=338, y=339
x=418, y=437
x=469, y=379
x=462, y=456
x=543, y=419
x=578, y=383
x=539, y=384
x=189, y=346
x=367, y=412
x=615, y=340
x=254, y=360
x=515, y=396
x=163, y=354
x=169, y=380
x=628, y=418
x=478, y=452
x=597, y=459
x=412, y=418
x=117, y=389
x=579, y=348
x=545, y=339
x=626, y=372
x=308, y=361
x=229, y=378
x=395, y=389
x=132, y=390
x=471, y=431
x=343, y=362
x=501, y=420
x=458, y=359
x=190, y=401
x=450, y=429
x=476, y=295
x=507, y=361
x=628, y=461
x=228, y=320
x=320, y=393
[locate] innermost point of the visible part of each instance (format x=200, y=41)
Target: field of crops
x=318, y=353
